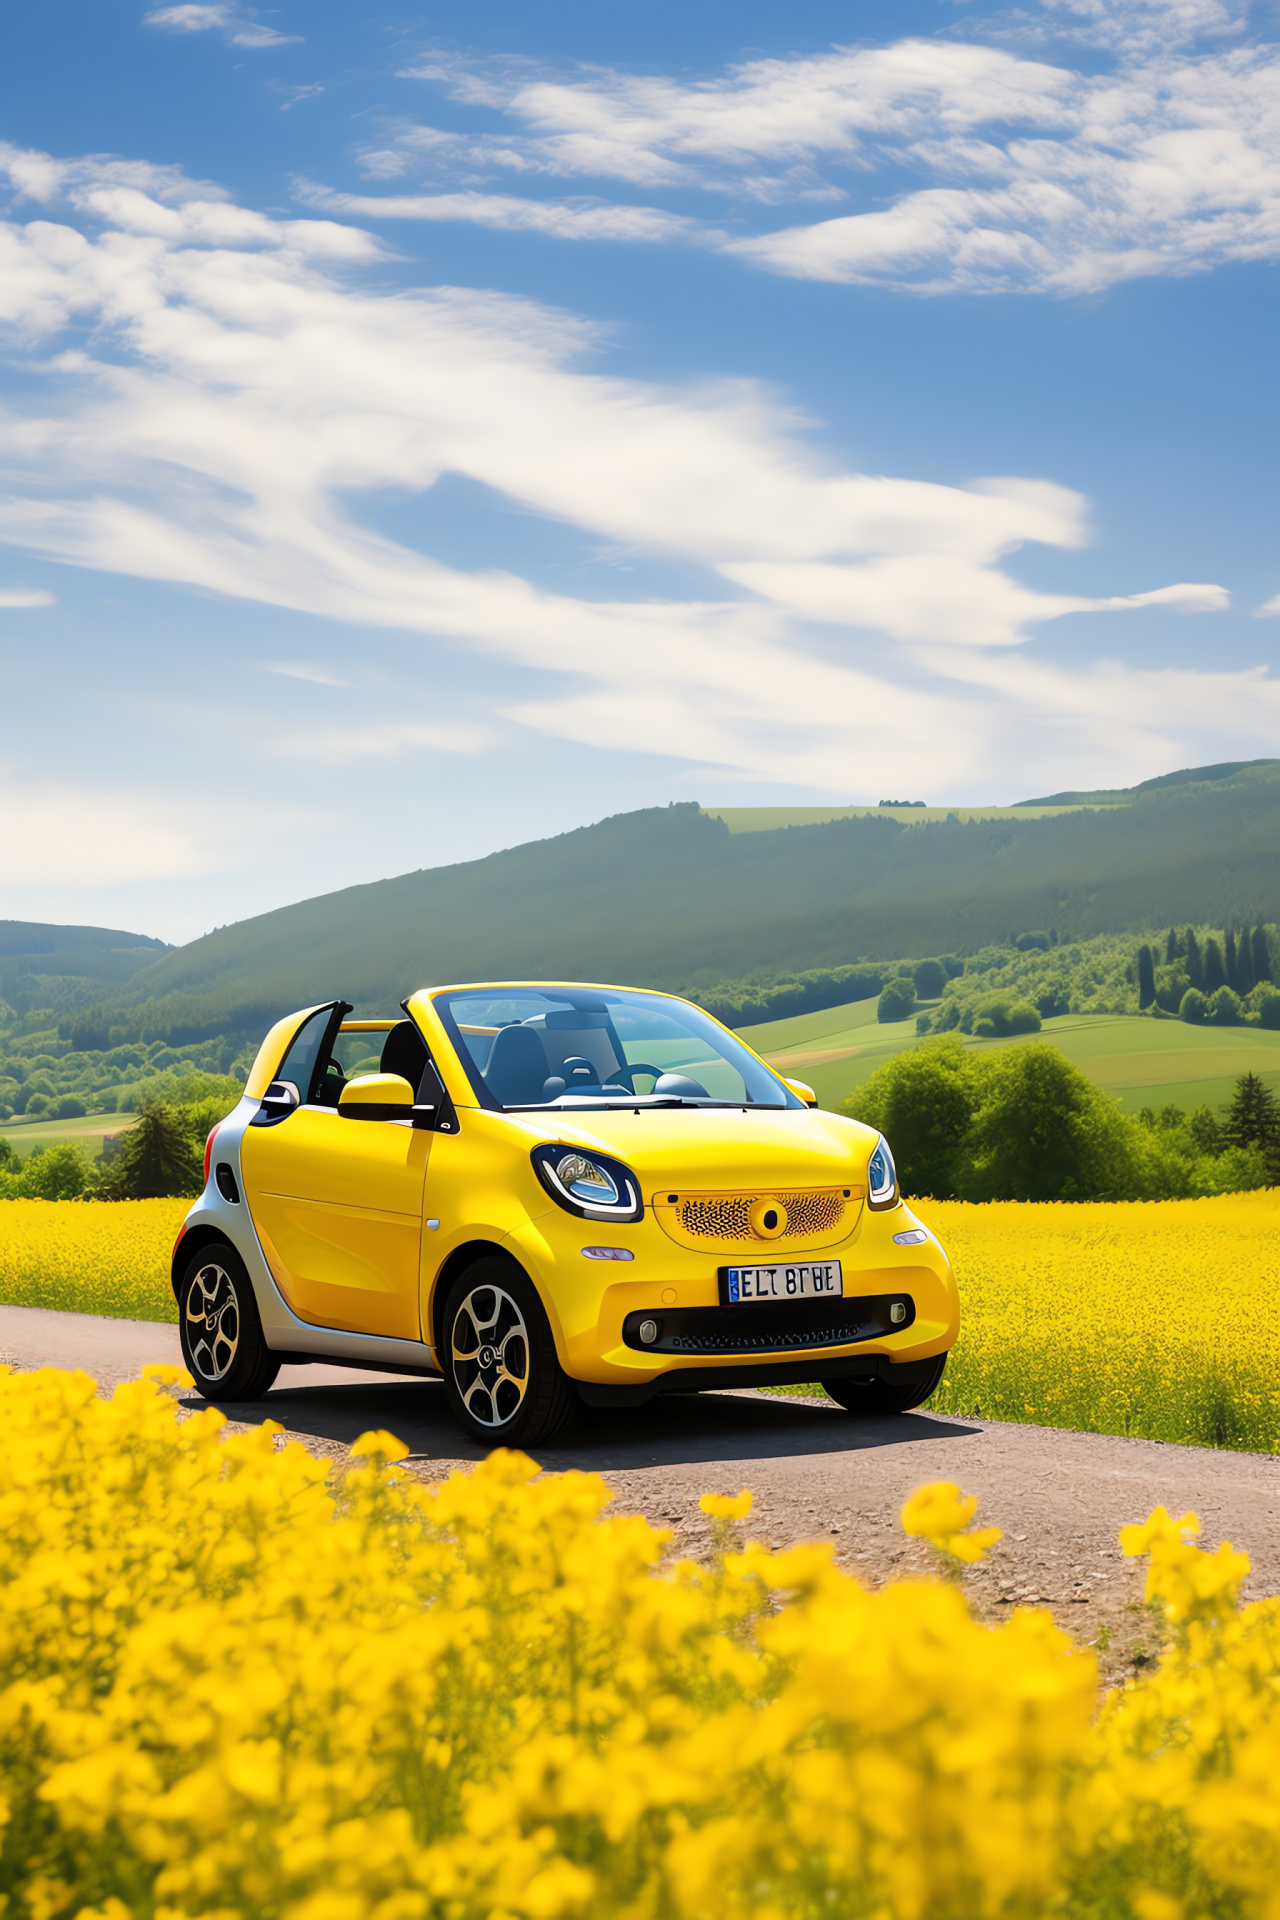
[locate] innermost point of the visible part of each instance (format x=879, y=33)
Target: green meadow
x=87, y=1132
x=770, y=819
x=1147, y=1063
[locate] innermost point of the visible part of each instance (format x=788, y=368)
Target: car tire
x=504, y=1383
x=220, y=1329
x=879, y=1396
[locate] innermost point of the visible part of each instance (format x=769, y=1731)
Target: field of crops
x=90, y=1257
x=1158, y=1319
x=235, y=1683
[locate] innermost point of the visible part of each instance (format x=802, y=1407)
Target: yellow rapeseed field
x=1160, y=1319
x=1157, y=1318
x=236, y=1687
x=90, y=1256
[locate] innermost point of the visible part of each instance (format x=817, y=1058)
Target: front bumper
x=596, y=1314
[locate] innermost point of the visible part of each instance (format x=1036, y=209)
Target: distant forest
x=668, y=897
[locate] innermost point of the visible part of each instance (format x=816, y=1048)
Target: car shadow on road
x=677, y=1430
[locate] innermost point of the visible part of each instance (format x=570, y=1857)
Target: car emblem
x=486, y=1356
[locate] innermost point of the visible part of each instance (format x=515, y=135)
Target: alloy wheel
x=490, y=1356
x=212, y=1322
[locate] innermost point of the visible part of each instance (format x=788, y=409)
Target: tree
x=157, y=1158
x=1265, y=1001
x=1195, y=965
x=1194, y=1007
x=1244, y=980
x=1224, y=1009
x=58, y=1172
x=898, y=1000
x=1146, y=977
x=1215, y=973
x=1253, y=1119
x=930, y=980
x=1172, y=948
x=1259, y=948
x=922, y=1101
x=1041, y=1131
x=1231, y=962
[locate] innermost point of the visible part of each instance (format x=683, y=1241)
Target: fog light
x=897, y=1313
x=648, y=1331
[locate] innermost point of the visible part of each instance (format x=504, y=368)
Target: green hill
x=1145, y=1063
x=670, y=897
x=42, y=964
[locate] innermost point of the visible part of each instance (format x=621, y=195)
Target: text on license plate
x=795, y=1280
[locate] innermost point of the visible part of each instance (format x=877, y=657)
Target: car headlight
x=882, y=1176
x=591, y=1185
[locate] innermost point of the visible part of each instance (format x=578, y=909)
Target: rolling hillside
x=670, y=897
x=1146, y=1063
x=34, y=955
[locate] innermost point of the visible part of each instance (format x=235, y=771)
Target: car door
x=338, y=1202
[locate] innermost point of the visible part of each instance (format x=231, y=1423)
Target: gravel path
x=815, y=1472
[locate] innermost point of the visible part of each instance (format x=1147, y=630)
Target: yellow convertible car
x=551, y=1195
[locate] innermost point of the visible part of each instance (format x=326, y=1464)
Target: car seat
x=517, y=1067
x=404, y=1051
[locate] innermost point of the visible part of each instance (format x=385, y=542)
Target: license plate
x=793, y=1280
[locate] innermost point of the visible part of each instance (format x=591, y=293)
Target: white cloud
x=303, y=670
x=25, y=597
x=245, y=392
x=242, y=30
x=563, y=219
x=963, y=166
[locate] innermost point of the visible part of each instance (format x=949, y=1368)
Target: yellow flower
x=727, y=1506
x=939, y=1513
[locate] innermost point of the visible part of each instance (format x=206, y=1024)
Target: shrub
x=997, y=1018
x=897, y=1001
x=68, y=1107
x=1194, y=1006
x=1224, y=1008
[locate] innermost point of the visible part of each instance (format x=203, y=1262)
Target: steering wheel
x=639, y=1066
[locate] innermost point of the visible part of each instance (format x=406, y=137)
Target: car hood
x=718, y=1148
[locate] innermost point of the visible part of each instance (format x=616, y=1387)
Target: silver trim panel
x=283, y=1330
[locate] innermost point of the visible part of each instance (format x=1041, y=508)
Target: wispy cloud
x=25, y=597
x=305, y=670
x=239, y=27
x=564, y=219
x=248, y=390
x=974, y=164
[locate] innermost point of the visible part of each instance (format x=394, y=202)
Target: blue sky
x=425, y=432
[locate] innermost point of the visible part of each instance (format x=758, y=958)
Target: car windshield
x=580, y=1046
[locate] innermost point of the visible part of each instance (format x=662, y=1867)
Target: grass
x=89, y=1131
x=1146, y=1063
x=107, y=1257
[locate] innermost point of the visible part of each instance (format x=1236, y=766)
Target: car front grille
x=726, y=1217
x=788, y=1327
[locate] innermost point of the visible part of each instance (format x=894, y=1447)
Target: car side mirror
x=377, y=1096
x=807, y=1094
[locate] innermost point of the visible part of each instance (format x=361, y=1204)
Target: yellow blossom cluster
x=237, y=1686
x=940, y=1514
x=111, y=1257
x=1156, y=1318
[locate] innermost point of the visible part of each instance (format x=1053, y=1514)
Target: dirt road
x=815, y=1471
